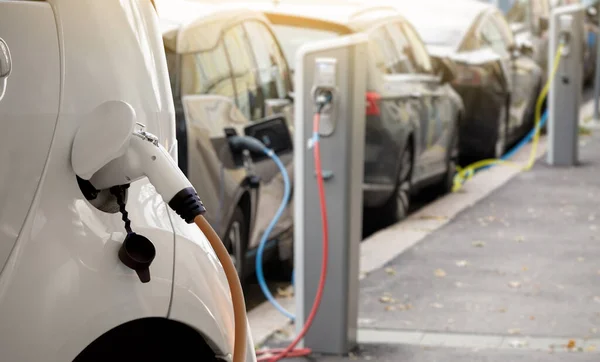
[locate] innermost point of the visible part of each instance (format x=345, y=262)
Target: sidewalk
x=515, y=277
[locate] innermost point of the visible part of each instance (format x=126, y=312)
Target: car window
x=271, y=66
x=492, y=37
x=387, y=59
x=504, y=28
x=207, y=72
x=417, y=51
x=520, y=12
x=248, y=97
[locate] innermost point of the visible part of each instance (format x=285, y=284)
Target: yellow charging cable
x=466, y=173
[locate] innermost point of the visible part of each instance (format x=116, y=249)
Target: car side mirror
x=444, y=69
x=521, y=47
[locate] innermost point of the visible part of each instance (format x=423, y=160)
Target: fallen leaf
x=440, y=273
x=515, y=284
x=437, y=305
x=520, y=239
x=461, y=263
x=525, y=268
x=389, y=308
x=571, y=344
x=532, y=318
x=514, y=331
x=401, y=307
x=478, y=244
x=591, y=348
x=386, y=299
x=390, y=271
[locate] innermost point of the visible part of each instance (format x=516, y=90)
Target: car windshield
x=291, y=37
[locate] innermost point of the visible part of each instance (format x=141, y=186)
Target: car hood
x=475, y=57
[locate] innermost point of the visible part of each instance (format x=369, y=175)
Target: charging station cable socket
x=324, y=92
x=565, y=27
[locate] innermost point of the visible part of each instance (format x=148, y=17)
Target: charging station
x=340, y=67
x=564, y=98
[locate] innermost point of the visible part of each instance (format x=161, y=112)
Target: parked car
x=412, y=113
x=529, y=20
x=496, y=77
x=222, y=81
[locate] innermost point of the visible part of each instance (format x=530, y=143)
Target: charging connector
x=111, y=149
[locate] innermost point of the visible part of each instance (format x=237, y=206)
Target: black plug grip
x=187, y=204
x=240, y=143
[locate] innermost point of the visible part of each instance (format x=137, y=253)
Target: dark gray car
x=496, y=78
x=412, y=111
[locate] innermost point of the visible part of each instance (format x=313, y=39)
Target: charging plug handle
x=322, y=98
x=241, y=143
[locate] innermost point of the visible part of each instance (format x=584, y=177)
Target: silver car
x=223, y=83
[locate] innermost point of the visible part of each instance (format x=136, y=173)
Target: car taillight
x=469, y=75
x=373, y=99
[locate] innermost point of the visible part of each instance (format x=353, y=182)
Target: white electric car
x=64, y=293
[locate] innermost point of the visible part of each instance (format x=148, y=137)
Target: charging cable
x=275, y=355
x=239, y=143
x=466, y=173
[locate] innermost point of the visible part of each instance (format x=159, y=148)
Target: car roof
x=193, y=27
x=353, y=15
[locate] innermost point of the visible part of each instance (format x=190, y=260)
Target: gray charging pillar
x=564, y=98
x=339, y=65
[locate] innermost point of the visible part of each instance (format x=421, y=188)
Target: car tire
x=235, y=240
x=397, y=207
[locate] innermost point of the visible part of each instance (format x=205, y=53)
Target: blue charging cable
x=263, y=241
x=239, y=143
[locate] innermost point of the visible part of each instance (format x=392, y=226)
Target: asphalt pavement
x=515, y=277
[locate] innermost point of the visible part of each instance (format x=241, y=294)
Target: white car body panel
x=61, y=282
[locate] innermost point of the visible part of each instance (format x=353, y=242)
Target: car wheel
x=500, y=143
x=236, y=239
x=396, y=208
